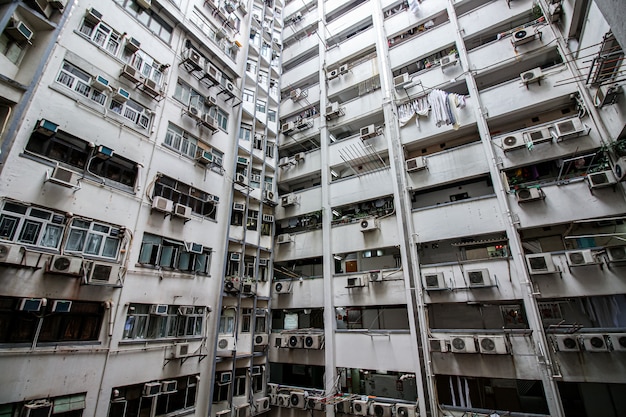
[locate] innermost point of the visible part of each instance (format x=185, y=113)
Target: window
x=220, y=391
x=143, y=321
x=148, y=67
x=252, y=220
x=29, y=225
x=260, y=106
x=259, y=139
x=227, y=321
x=257, y=382
x=11, y=48
x=271, y=115
x=102, y=35
x=173, y=254
x=171, y=402
x=248, y=95
x=246, y=317
x=237, y=218
x=201, y=203
x=260, y=320
x=245, y=132
x=240, y=382
x=187, y=95
x=251, y=66
x=263, y=78
x=180, y=141
x=268, y=183
x=81, y=323
x=274, y=92
x=221, y=117
x=269, y=149
x=149, y=19
x=92, y=238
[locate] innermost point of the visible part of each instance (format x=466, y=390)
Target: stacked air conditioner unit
x=494, y=345
x=462, y=344
x=540, y=263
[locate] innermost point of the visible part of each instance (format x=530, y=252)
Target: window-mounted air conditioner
x=540, y=263
x=401, y=80
x=297, y=399
x=11, y=254
x=434, y=281
x=162, y=204
x=354, y=282
x=618, y=341
x=263, y=261
x=607, y=94
x=619, y=169
x=416, y=164
x=581, y=257
x=369, y=224
x=131, y=73
x=283, y=400
x=19, y=31
x=226, y=343
x=314, y=402
x=332, y=74
x=242, y=160
x=235, y=256
x=151, y=389
x=186, y=310
x=616, y=253
x=368, y=132
x=158, y=309
x=92, y=15
x=360, y=407
x=63, y=177
x=531, y=76
x=313, y=341
x=537, y=136
x=103, y=152
x=344, y=69
x=282, y=288
x=478, y=278
x=448, y=61
x=132, y=44
x=248, y=287
x=203, y=156
x=287, y=128
x=31, y=304
x=284, y=238
x=381, y=409
x=102, y=273
x=595, y=342
x=242, y=410
x=525, y=195
x=46, y=127
x=67, y=265
x=568, y=129
x=239, y=206
x=567, y=343
x=406, y=410
x=601, y=179
x=151, y=87
x=288, y=200
x=494, y=345
x=523, y=36
x=261, y=339
x=512, y=142
x=462, y=344
x=100, y=83
x=39, y=408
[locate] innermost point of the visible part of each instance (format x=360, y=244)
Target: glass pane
x=183, y=261
x=76, y=240
x=52, y=236
x=8, y=224
x=94, y=242
x=30, y=231
x=167, y=256
x=110, y=247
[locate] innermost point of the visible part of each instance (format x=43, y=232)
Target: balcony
x=389, y=349
x=434, y=39
x=350, y=47
x=308, y=69
x=366, y=233
x=482, y=18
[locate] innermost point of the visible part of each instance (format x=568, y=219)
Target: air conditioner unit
x=46, y=127
x=448, y=61
x=601, y=179
x=434, y=281
x=261, y=339
x=151, y=389
x=132, y=44
x=248, y=287
x=121, y=95
x=478, y=278
x=416, y=164
x=288, y=200
x=332, y=110
x=360, y=407
x=567, y=343
x=181, y=350
x=194, y=59
x=262, y=404
x=181, y=210
x=93, y=15
x=264, y=261
x=39, y=408
x=282, y=288
x=315, y=403
x=268, y=195
x=63, y=177
x=406, y=410
x=343, y=69
x=242, y=410
x=169, y=387
x=31, y=304
x=295, y=94
x=287, y=128
x=272, y=388
x=226, y=343
x=569, y=129
x=144, y=3
x=525, y=195
x=100, y=83
x=512, y=142
x=235, y=256
x=242, y=7
x=540, y=263
x=620, y=169
x=374, y=276
x=369, y=224
x=537, y=136
x=284, y=400
x=580, y=257
x=19, y=31
x=151, y=87
x=131, y=73
x=296, y=398
x=522, y=37
x=344, y=407
x=354, y=282
x=299, y=157
x=203, y=156
x=616, y=253
x=607, y=94
x=554, y=12
x=61, y=306
x=462, y=344
x=618, y=341
x=230, y=86
x=401, y=80
x=69, y=265
x=103, y=152
x=11, y=254
x=595, y=342
x=268, y=218
x=381, y=409
x=294, y=341
x=492, y=345
x=158, y=309
x=332, y=74
x=232, y=285
x=224, y=413
x=209, y=121
x=239, y=207
x=532, y=76
x=284, y=238
x=102, y=273
x=368, y=132
x=242, y=160
x=313, y=341
x=241, y=179
x=284, y=161
x=162, y=204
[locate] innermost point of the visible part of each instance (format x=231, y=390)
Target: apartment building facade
x=355, y=207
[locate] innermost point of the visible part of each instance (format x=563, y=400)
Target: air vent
x=478, y=278
x=434, y=281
